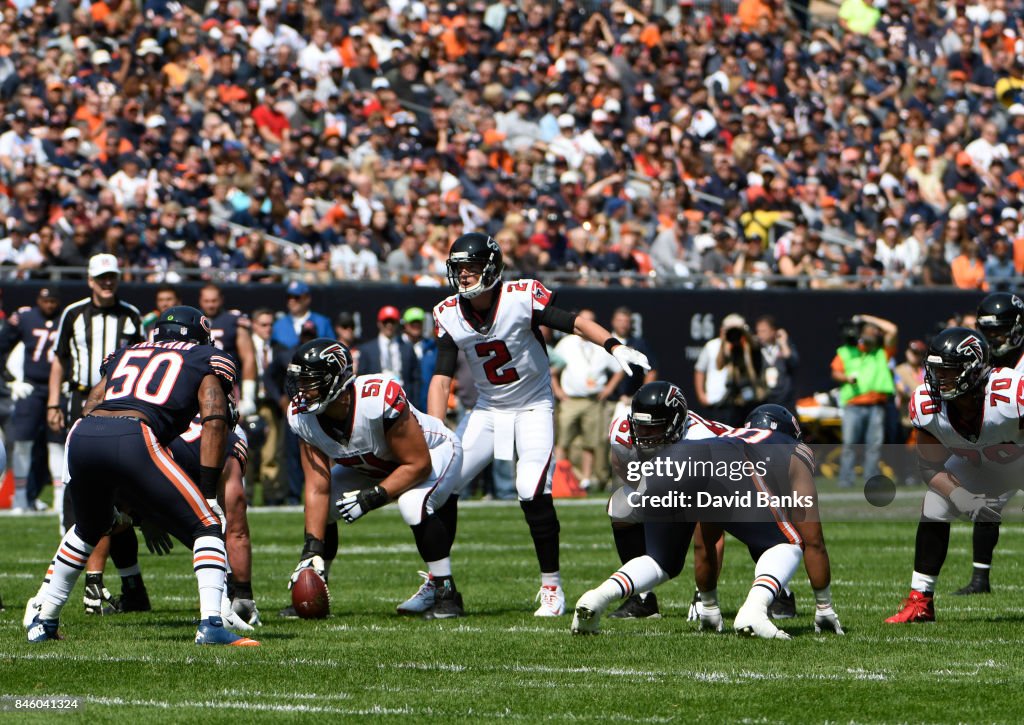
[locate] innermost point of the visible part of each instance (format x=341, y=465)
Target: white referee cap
x=101, y=264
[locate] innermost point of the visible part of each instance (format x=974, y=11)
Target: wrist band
x=209, y=476
x=610, y=344
x=53, y=407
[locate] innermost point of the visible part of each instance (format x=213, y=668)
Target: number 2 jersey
x=503, y=345
x=161, y=380
x=360, y=442
x=998, y=446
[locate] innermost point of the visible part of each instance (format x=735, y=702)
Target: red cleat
x=917, y=607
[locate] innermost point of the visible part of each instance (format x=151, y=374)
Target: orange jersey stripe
x=172, y=471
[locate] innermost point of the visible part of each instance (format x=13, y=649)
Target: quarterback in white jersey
x=385, y=450
x=970, y=447
x=1001, y=320
x=495, y=325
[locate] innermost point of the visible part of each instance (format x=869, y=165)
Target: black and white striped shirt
x=88, y=333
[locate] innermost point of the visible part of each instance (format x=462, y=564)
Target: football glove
x=20, y=389
x=157, y=540
x=314, y=562
x=693, y=614
x=825, y=620
x=711, y=618
x=626, y=356
x=973, y=505
x=246, y=609
x=355, y=504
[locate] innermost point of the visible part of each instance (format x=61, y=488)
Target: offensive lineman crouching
x=387, y=450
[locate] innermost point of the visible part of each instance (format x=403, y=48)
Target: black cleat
x=977, y=585
x=447, y=604
x=638, y=607
x=97, y=599
x=784, y=606
x=134, y=597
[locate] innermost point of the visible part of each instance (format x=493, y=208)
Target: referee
x=89, y=331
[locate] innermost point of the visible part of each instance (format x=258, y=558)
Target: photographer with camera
x=728, y=376
x=780, y=361
x=861, y=367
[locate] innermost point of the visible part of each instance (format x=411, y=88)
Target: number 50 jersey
x=1000, y=441
x=161, y=380
x=508, y=356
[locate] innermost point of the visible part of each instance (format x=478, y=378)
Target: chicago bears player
x=147, y=395
x=967, y=417
x=496, y=325
x=1001, y=321
x=186, y=450
x=657, y=416
x=781, y=421
x=35, y=328
x=232, y=333
x=386, y=451
x=772, y=540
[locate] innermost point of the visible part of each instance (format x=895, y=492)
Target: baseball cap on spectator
x=566, y=120
x=917, y=347
x=149, y=46
x=308, y=331
x=734, y=321
x=356, y=32
x=1017, y=109
x=922, y=152
x=414, y=314
x=569, y=178
x=522, y=96
x=555, y=99
x=297, y=289
x=71, y=132
x=964, y=159
x=612, y=105
x=890, y=222
x=101, y=264
x=100, y=57
x=957, y=75
x=389, y=312
x=49, y=293
x=345, y=319
x=870, y=190
x=380, y=84
x=1008, y=213
x=155, y=121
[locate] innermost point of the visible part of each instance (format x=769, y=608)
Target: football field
x=501, y=663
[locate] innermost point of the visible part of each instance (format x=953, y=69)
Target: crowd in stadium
x=728, y=144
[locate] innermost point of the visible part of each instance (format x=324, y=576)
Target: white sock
x=129, y=571
x=772, y=572
x=209, y=561
x=551, y=579
x=923, y=583
x=976, y=565
x=441, y=567
x=639, y=574
x=58, y=498
x=67, y=565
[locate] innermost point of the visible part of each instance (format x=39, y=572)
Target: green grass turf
x=501, y=663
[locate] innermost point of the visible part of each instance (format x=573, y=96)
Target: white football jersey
x=623, y=451
x=360, y=442
x=1000, y=441
x=509, y=360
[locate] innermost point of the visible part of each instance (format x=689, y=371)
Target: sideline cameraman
x=727, y=376
x=861, y=367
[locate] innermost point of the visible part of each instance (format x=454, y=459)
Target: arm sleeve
x=447, y=353
x=555, y=318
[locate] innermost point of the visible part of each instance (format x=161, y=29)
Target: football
x=310, y=596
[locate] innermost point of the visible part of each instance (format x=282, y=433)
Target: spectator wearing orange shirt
x=968, y=269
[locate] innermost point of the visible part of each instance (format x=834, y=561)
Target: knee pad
x=21, y=458
x=540, y=516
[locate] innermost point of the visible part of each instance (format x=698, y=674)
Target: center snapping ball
x=310, y=596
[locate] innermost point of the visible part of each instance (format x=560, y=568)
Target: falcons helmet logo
x=972, y=346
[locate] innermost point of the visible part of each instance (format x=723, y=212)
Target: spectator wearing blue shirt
x=999, y=270
x=287, y=327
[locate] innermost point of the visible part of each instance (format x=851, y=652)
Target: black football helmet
x=1001, y=320
x=183, y=324
x=319, y=372
x=776, y=418
x=957, y=363
x=475, y=248
x=657, y=415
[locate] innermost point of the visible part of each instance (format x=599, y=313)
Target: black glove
x=157, y=540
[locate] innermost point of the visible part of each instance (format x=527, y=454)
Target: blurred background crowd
x=867, y=143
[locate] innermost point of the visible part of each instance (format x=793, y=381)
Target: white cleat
x=31, y=611
x=424, y=598
x=711, y=618
x=587, y=617
x=751, y=622
x=552, y=601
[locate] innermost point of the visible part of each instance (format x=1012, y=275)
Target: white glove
x=825, y=620
x=316, y=563
x=626, y=356
x=218, y=512
x=711, y=618
x=246, y=407
x=354, y=504
x=696, y=608
x=231, y=619
x=20, y=389
x=973, y=505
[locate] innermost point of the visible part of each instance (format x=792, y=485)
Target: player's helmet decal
x=318, y=374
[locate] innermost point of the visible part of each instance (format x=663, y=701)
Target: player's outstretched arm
x=213, y=414
x=247, y=359
x=595, y=333
x=316, y=470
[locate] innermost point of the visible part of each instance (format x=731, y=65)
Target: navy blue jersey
x=775, y=450
x=161, y=380
x=185, y=448
x=224, y=330
x=38, y=333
